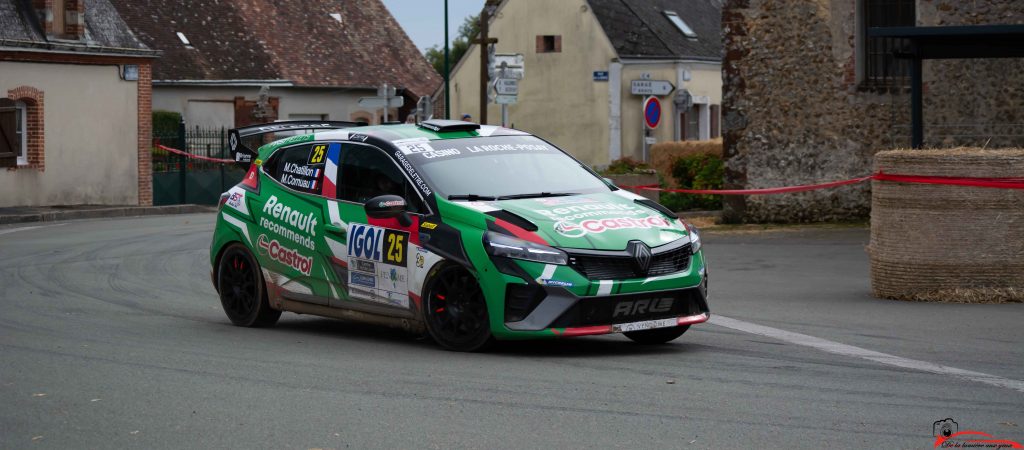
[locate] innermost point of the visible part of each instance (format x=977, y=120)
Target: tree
x=468, y=31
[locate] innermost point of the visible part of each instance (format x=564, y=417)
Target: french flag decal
x=316, y=177
x=331, y=171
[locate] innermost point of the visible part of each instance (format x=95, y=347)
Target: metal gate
x=180, y=179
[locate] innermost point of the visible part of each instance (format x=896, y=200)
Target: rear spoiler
x=244, y=155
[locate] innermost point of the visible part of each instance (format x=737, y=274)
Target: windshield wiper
x=472, y=197
x=537, y=195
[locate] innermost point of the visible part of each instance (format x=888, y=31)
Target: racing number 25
x=396, y=248
x=317, y=155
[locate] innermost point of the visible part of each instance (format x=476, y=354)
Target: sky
x=423, y=20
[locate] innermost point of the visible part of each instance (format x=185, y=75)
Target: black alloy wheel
x=456, y=312
x=242, y=292
x=657, y=335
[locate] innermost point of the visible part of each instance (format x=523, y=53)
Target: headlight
x=501, y=245
x=694, y=238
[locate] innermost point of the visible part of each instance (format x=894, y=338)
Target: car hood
x=601, y=221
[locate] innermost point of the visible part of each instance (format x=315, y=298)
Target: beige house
x=580, y=59
x=74, y=106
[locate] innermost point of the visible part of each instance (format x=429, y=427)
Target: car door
x=373, y=266
x=289, y=242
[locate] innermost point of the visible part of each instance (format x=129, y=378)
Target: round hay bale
x=948, y=243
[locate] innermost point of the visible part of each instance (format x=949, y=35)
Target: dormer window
x=57, y=19
x=680, y=24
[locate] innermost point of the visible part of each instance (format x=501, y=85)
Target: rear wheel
x=456, y=312
x=242, y=291
x=656, y=336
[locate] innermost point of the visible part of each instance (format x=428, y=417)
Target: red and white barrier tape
x=187, y=154
x=1001, y=183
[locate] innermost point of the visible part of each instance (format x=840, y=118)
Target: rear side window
x=300, y=168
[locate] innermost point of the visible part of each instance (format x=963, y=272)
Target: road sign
x=600, y=75
x=506, y=99
x=507, y=87
x=652, y=112
x=508, y=65
x=652, y=87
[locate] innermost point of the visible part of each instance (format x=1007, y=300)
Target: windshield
x=501, y=166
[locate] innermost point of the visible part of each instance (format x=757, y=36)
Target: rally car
x=465, y=232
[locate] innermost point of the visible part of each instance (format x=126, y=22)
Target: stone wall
x=794, y=111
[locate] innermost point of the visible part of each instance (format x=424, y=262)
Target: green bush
x=165, y=123
x=697, y=171
x=627, y=165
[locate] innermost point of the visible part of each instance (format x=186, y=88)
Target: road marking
x=12, y=230
x=857, y=352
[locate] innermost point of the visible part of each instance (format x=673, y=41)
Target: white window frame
x=21, y=110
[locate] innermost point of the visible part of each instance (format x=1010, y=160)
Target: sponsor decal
x=236, y=200
x=560, y=283
x=419, y=260
x=424, y=149
x=643, y=306
x=365, y=266
x=358, y=137
x=391, y=204
x=362, y=279
x=303, y=222
x=428, y=225
x=391, y=279
x=316, y=155
x=287, y=233
x=508, y=148
x=284, y=255
x=377, y=244
x=581, y=211
x=422, y=185
x=572, y=229
x=558, y=201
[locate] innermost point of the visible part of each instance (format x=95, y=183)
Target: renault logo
x=641, y=254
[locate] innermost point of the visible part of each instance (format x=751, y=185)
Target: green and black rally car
x=470, y=233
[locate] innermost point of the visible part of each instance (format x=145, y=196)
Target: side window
x=300, y=168
x=367, y=172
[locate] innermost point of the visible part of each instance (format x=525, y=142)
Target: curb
x=131, y=211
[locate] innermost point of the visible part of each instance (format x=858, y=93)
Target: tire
x=242, y=289
x=656, y=336
x=455, y=311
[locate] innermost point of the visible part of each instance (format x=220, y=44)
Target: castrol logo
x=285, y=255
x=574, y=229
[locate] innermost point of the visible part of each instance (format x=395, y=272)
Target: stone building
x=809, y=97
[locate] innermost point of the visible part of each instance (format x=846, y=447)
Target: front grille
x=616, y=266
x=591, y=311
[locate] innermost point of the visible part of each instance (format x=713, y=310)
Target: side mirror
x=388, y=207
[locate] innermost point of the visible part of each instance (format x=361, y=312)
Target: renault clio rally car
x=469, y=233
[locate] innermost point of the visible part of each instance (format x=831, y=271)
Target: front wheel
x=656, y=336
x=456, y=312
x=242, y=291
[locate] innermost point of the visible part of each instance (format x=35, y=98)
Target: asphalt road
x=112, y=336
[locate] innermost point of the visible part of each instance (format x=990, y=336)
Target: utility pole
x=447, y=76
x=484, y=42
